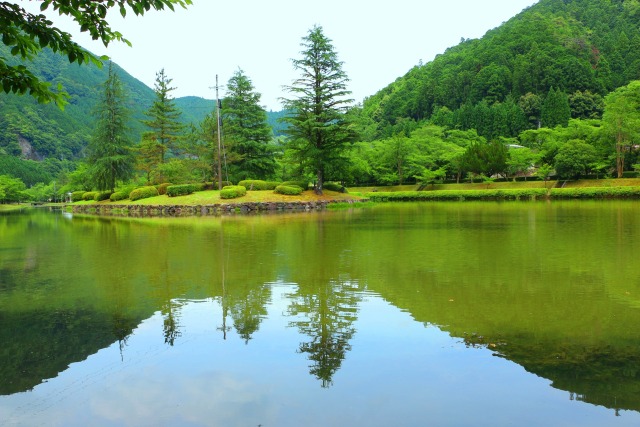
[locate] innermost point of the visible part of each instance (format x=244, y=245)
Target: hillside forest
x=553, y=92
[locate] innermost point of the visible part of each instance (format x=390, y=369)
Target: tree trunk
x=319, y=182
x=619, y=159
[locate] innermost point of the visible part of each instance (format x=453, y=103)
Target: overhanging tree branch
x=26, y=34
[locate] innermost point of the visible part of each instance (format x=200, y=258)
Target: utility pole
x=219, y=136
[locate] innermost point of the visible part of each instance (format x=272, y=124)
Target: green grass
x=211, y=197
x=9, y=208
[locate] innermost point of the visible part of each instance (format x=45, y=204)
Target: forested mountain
x=39, y=132
x=497, y=84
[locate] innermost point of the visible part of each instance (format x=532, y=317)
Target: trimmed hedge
x=595, y=193
x=288, y=190
x=76, y=196
x=89, y=195
x=162, y=188
x=258, y=184
x=143, y=193
x=454, y=195
x=119, y=195
x=182, y=190
x=510, y=194
x=334, y=186
x=233, y=191
x=302, y=184
x=102, y=195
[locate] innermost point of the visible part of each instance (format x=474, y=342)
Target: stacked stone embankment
x=185, y=210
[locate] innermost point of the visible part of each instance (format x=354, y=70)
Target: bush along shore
x=509, y=194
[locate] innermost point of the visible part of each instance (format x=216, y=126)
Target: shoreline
x=214, y=209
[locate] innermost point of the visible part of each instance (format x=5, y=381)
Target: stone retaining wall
x=183, y=210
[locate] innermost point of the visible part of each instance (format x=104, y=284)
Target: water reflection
x=326, y=314
x=523, y=282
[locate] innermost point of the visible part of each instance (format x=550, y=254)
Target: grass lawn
x=211, y=197
x=12, y=207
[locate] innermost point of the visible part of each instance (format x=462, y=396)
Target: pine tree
x=246, y=128
x=164, y=116
x=318, y=125
x=555, y=109
x=110, y=154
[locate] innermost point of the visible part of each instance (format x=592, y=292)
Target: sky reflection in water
x=399, y=372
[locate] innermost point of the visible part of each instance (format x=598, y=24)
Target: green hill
x=39, y=132
x=584, y=48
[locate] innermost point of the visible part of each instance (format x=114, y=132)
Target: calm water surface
x=432, y=314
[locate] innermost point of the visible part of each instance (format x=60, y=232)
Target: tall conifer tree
x=555, y=109
x=164, y=117
x=245, y=124
x=110, y=154
x=318, y=124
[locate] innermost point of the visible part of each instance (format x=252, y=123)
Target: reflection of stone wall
x=184, y=210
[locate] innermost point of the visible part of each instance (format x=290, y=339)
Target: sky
x=378, y=41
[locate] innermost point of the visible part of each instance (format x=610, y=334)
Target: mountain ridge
x=571, y=45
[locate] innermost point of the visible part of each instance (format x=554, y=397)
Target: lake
x=444, y=314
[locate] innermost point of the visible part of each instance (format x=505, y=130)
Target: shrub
x=181, y=190
x=233, y=191
x=143, y=193
x=595, y=192
x=119, y=195
x=258, y=184
x=89, y=195
x=76, y=196
x=334, y=186
x=288, y=190
x=162, y=188
x=510, y=194
x=102, y=195
x=302, y=184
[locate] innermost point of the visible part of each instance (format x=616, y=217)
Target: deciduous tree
x=621, y=120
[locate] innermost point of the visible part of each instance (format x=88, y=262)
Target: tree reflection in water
x=326, y=314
